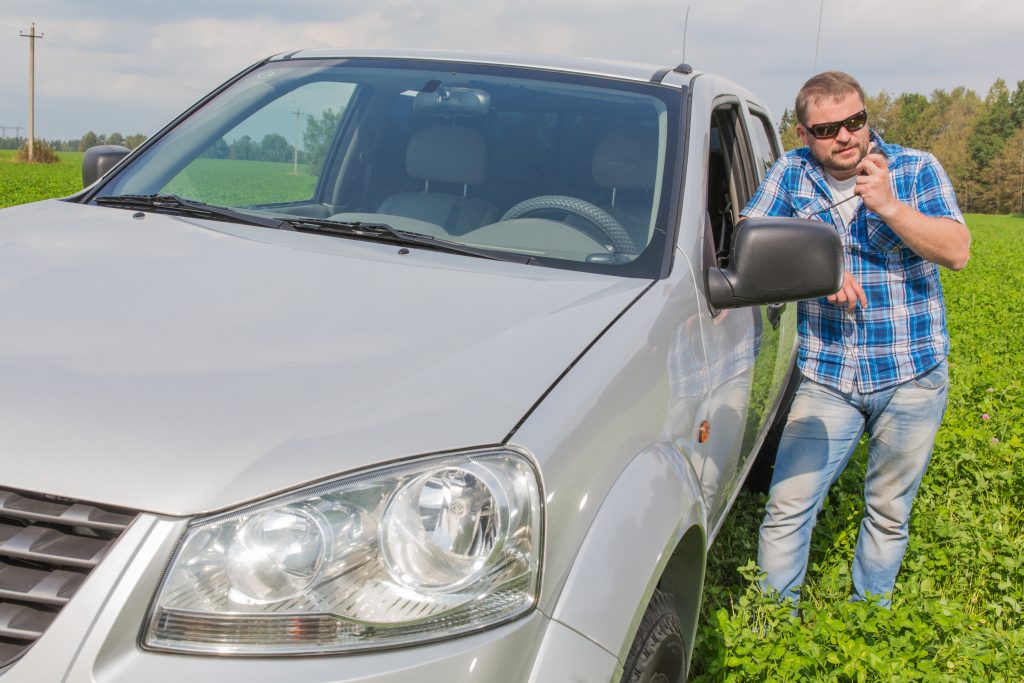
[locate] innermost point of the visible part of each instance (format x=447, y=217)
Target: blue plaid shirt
x=902, y=332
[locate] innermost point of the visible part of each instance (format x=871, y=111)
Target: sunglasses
x=824, y=131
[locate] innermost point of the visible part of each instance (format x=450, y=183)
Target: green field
x=22, y=183
x=215, y=181
x=959, y=606
x=229, y=182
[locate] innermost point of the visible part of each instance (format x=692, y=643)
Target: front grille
x=47, y=547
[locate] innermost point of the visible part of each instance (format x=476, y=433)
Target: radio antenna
x=817, y=40
x=686, y=24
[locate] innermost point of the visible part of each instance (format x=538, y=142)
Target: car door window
x=730, y=175
x=765, y=144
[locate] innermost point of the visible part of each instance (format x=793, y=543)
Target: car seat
x=625, y=161
x=449, y=155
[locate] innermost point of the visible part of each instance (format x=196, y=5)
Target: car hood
x=183, y=366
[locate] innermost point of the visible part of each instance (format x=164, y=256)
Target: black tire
x=658, y=653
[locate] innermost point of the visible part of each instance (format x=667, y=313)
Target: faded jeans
x=821, y=434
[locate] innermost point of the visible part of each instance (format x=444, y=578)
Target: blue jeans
x=821, y=434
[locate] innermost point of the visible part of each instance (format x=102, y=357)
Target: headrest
x=626, y=159
x=447, y=154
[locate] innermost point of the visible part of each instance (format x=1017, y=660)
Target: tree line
x=92, y=139
x=272, y=147
x=81, y=144
x=317, y=136
x=979, y=141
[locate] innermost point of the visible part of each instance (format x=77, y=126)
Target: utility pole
x=295, y=153
x=32, y=35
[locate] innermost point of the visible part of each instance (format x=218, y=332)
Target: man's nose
x=843, y=136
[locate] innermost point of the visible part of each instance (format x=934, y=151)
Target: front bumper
x=95, y=638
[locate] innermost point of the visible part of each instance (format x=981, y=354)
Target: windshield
x=575, y=171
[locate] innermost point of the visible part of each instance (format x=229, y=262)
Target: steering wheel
x=593, y=214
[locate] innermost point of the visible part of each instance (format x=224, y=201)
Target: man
x=873, y=355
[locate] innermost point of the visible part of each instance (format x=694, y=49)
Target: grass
x=23, y=183
x=959, y=602
x=216, y=181
x=229, y=182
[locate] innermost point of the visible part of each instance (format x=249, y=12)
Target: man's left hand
x=873, y=185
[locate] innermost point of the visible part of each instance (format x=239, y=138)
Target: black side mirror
x=100, y=159
x=774, y=260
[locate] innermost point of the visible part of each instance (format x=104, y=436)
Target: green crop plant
x=958, y=609
x=22, y=183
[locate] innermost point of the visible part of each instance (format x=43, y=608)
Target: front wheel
x=657, y=654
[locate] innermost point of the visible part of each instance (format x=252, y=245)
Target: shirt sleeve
x=771, y=198
x=933, y=191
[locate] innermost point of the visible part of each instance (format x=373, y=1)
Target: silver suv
x=393, y=367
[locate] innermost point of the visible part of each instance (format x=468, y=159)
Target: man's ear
x=802, y=132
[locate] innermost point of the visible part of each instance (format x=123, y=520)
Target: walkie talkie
x=874, y=149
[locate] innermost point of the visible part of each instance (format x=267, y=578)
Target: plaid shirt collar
x=816, y=174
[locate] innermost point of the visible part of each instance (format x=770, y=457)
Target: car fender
x=652, y=505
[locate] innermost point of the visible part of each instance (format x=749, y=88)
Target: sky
x=131, y=67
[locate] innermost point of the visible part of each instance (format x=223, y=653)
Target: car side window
x=766, y=146
x=731, y=180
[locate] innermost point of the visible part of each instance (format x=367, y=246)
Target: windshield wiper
x=172, y=203
x=383, y=231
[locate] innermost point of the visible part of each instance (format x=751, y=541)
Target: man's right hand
x=850, y=294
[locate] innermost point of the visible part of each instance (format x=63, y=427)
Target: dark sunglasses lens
x=824, y=131
x=856, y=122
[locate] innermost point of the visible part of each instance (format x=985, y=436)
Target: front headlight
x=417, y=552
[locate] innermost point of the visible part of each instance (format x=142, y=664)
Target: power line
x=69, y=44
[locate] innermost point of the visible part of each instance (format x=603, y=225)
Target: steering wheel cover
x=601, y=219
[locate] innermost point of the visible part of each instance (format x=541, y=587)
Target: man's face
x=841, y=154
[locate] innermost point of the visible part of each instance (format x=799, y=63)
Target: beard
x=839, y=163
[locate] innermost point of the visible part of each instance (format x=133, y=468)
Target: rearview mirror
x=453, y=101
x=100, y=159
x=773, y=260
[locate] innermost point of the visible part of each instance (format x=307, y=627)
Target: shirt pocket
x=810, y=206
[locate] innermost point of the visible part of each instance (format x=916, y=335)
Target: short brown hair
x=829, y=84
